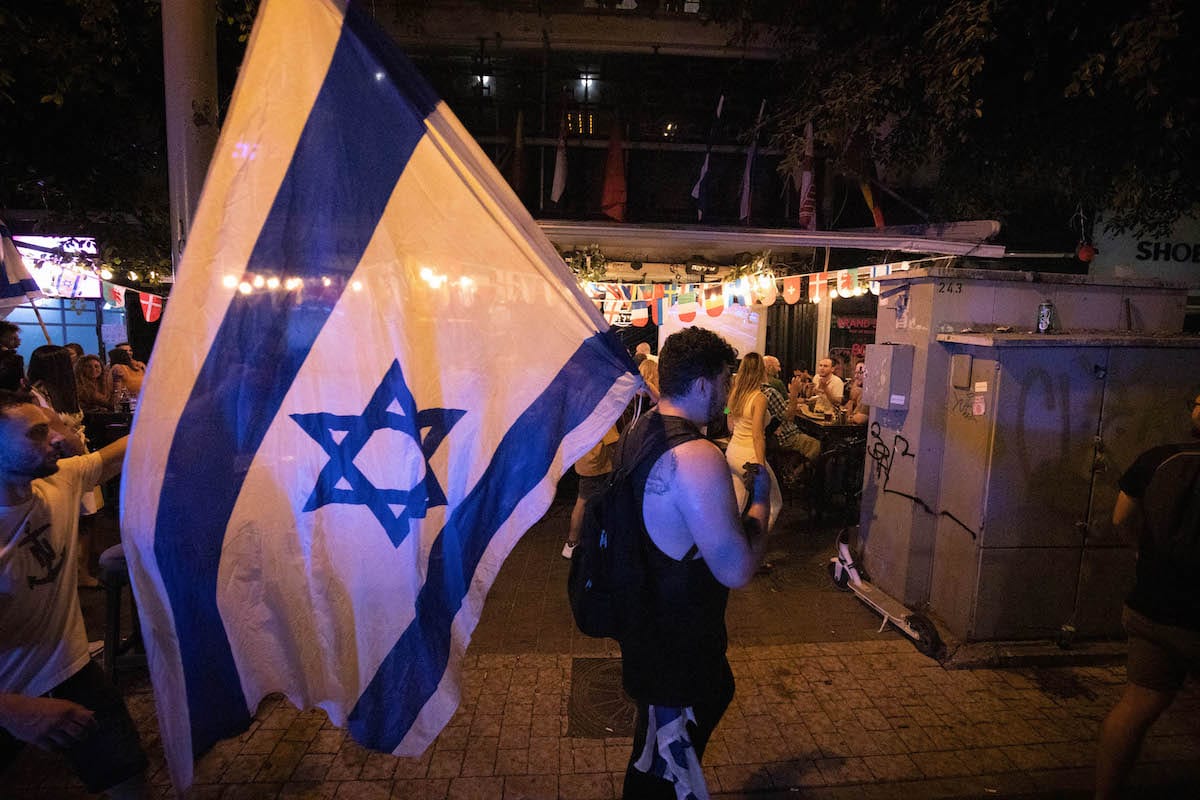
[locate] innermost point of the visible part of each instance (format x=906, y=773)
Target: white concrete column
x=190, y=87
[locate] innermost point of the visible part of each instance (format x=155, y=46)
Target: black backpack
x=607, y=581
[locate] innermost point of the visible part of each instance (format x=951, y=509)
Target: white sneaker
x=568, y=549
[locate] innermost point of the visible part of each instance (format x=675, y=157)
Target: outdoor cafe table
x=838, y=469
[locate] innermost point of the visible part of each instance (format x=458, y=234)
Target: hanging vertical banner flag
x=321, y=485
x=17, y=286
x=714, y=300
x=744, y=210
x=612, y=195
x=815, y=282
x=869, y=197
x=687, y=306
x=152, y=306
x=791, y=289
x=641, y=313
x=559, y=183
x=700, y=190
x=806, y=186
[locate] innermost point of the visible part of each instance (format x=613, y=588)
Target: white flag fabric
x=744, y=206
x=372, y=372
x=559, y=184
x=17, y=286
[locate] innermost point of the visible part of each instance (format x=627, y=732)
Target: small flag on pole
x=559, y=184
x=320, y=488
x=744, y=211
x=612, y=197
x=805, y=184
x=700, y=190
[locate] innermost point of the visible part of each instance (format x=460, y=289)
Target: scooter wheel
x=928, y=642
x=840, y=577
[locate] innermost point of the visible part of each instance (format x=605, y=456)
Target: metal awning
x=664, y=245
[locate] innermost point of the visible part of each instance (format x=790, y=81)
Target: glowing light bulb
x=133, y=276
x=230, y=282
x=356, y=286
x=272, y=283
x=245, y=288
x=106, y=274
x=259, y=281
x=325, y=281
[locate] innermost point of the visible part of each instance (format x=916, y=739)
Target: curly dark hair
x=690, y=354
x=10, y=399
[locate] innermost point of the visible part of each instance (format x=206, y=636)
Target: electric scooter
x=851, y=577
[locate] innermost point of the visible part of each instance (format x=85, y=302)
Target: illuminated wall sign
x=1174, y=257
x=55, y=277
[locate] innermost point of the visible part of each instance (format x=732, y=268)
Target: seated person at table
x=123, y=373
x=785, y=434
x=52, y=694
x=93, y=385
x=827, y=388
x=854, y=396
x=802, y=375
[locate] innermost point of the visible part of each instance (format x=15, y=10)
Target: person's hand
x=757, y=480
x=45, y=722
x=794, y=387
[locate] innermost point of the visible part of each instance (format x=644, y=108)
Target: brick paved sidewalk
x=825, y=708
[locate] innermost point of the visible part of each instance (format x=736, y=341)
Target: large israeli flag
x=372, y=372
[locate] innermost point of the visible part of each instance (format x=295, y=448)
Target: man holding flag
x=321, y=488
x=52, y=694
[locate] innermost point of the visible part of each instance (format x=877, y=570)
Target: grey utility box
x=987, y=499
x=887, y=381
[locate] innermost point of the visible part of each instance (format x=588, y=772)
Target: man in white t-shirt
x=51, y=693
x=827, y=388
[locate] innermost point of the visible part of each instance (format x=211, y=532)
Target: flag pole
x=41, y=322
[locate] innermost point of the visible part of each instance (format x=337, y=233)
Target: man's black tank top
x=676, y=653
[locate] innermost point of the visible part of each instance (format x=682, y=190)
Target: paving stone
x=308, y=790
x=843, y=770
x=512, y=761
x=281, y=762
x=243, y=768
x=421, y=789
x=596, y=786
x=312, y=767
x=379, y=767
x=531, y=787
x=892, y=767
x=364, y=790
x=745, y=777
x=251, y=791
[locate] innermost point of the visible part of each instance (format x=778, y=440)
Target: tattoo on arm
x=663, y=474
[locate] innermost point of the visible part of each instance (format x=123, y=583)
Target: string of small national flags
x=639, y=304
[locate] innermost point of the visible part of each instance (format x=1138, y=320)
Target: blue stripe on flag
x=411, y=672
x=358, y=138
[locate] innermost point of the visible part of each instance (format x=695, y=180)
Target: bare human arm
x=46, y=722
x=1124, y=511
x=758, y=426
x=112, y=456
x=696, y=480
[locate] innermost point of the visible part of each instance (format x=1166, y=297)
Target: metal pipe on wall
x=190, y=89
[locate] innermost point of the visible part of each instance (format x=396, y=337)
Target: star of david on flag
x=391, y=408
x=331, y=457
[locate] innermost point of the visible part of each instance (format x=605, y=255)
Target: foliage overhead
x=1004, y=107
